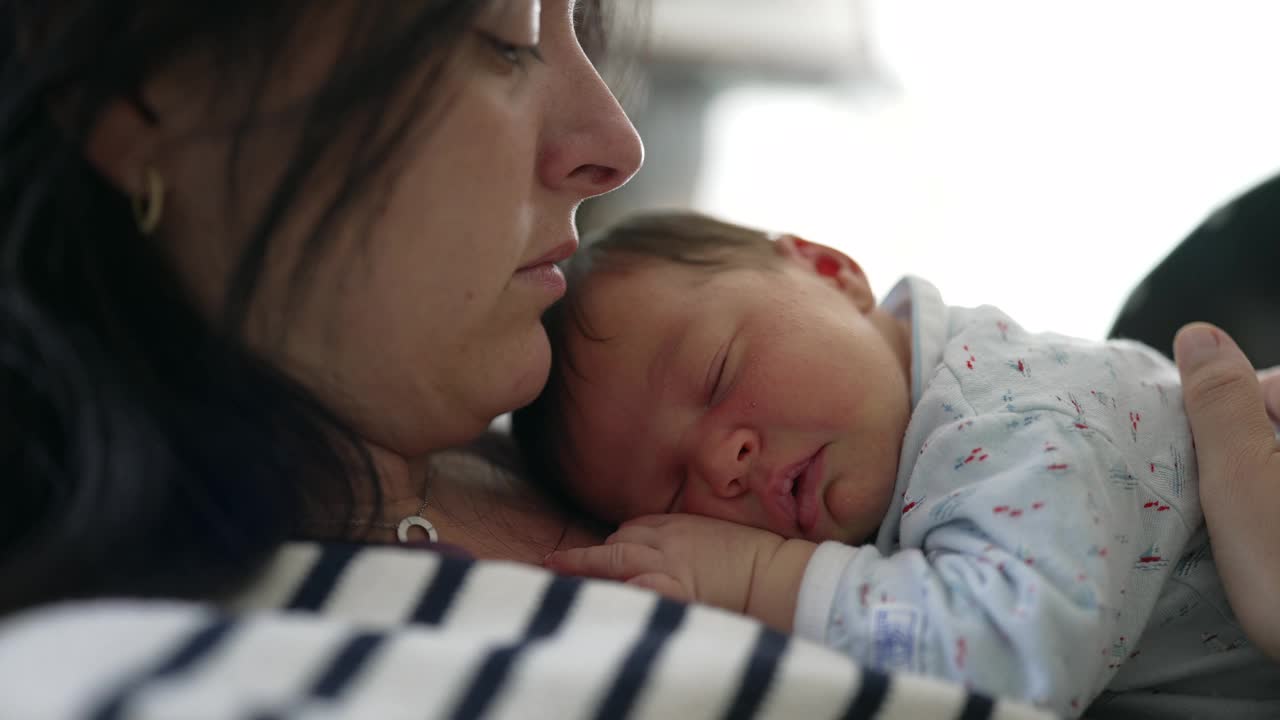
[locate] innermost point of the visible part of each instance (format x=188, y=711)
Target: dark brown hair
x=145, y=449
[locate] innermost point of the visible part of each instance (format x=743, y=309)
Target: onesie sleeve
x=1010, y=570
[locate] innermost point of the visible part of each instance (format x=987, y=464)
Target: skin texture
x=810, y=363
x=1239, y=462
x=1234, y=414
x=727, y=383
x=419, y=323
x=699, y=559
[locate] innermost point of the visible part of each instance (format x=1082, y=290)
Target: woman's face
x=420, y=322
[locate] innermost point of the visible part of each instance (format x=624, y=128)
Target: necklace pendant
x=402, y=532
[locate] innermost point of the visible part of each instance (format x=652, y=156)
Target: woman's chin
x=528, y=370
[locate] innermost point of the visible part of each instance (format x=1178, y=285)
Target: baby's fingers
x=645, y=521
x=663, y=584
x=618, y=561
x=634, y=534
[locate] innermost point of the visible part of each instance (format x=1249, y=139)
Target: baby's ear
x=831, y=264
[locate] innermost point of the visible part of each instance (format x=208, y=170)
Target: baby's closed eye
x=676, y=496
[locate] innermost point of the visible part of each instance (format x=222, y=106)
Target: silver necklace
x=409, y=521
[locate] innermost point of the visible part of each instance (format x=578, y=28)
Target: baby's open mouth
x=791, y=486
x=805, y=488
x=795, y=493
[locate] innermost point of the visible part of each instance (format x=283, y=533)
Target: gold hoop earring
x=148, y=207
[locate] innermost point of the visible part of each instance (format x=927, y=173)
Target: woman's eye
x=512, y=53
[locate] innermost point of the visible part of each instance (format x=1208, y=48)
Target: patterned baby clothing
x=1045, y=540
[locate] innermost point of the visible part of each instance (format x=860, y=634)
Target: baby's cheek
x=856, y=506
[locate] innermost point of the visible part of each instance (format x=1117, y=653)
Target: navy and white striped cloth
x=337, y=631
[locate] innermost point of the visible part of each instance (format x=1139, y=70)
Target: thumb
x=1270, y=381
x=1233, y=435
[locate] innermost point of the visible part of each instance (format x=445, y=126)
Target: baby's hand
x=699, y=559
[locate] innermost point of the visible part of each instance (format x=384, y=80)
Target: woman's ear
x=120, y=142
x=836, y=267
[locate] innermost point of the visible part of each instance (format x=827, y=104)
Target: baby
x=923, y=487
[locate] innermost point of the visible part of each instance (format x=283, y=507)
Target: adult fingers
x=1270, y=381
x=1234, y=437
x=1239, y=474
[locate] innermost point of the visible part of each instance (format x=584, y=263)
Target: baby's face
x=767, y=398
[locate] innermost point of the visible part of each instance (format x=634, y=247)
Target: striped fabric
x=334, y=631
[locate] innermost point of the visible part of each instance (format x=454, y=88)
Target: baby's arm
x=1017, y=540
x=700, y=559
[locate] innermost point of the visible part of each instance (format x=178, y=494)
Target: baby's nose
x=727, y=463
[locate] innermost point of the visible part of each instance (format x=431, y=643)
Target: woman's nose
x=725, y=464
x=594, y=148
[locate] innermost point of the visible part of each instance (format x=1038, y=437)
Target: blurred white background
x=1039, y=155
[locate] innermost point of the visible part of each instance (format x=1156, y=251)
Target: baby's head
x=706, y=368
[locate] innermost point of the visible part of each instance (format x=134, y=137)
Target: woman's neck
x=473, y=504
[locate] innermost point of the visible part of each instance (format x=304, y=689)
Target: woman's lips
x=543, y=271
x=546, y=276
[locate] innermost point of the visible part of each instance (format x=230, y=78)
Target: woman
x=261, y=262
x=337, y=268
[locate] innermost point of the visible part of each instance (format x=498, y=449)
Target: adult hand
x=1239, y=463
x=700, y=559
x=1270, y=381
